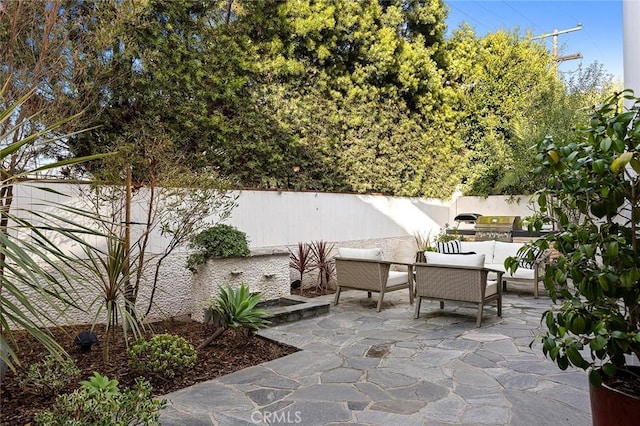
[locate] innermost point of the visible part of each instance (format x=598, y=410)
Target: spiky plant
x=301, y=260
x=36, y=276
x=323, y=262
x=236, y=308
x=109, y=273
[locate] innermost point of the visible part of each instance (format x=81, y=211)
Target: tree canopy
x=327, y=95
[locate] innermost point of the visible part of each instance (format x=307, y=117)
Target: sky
x=600, y=38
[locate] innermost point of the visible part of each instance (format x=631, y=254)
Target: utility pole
x=554, y=52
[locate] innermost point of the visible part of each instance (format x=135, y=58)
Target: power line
x=518, y=12
x=450, y=4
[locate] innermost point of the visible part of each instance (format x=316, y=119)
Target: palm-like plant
x=301, y=260
x=36, y=276
x=110, y=272
x=323, y=262
x=236, y=308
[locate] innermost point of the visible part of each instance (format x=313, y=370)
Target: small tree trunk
x=213, y=337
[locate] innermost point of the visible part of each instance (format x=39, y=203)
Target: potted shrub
x=222, y=257
x=595, y=282
x=423, y=241
x=217, y=241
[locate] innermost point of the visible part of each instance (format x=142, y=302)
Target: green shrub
x=217, y=241
x=99, y=402
x=164, y=356
x=444, y=237
x=49, y=376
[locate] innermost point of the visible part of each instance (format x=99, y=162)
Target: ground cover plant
x=93, y=403
x=230, y=352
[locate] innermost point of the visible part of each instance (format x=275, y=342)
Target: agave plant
x=36, y=276
x=236, y=308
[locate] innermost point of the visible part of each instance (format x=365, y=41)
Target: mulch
x=231, y=352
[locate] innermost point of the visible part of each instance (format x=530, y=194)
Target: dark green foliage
x=100, y=402
x=163, y=356
x=328, y=95
x=218, y=241
x=593, y=194
x=509, y=99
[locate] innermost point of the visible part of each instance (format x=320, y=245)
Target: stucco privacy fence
x=274, y=221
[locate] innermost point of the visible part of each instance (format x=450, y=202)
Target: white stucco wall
x=265, y=272
x=631, y=44
x=279, y=218
x=275, y=221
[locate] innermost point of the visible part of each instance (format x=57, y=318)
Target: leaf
x=575, y=357
x=609, y=369
x=599, y=166
x=621, y=161
x=579, y=325
x=594, y=378
x=597, y=343
x=563, y=362
x=618, y=334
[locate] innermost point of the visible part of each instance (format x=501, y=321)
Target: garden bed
x=231, y=352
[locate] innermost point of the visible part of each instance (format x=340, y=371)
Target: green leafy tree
x=358, y=86
x=503, y=81
x=593, y=192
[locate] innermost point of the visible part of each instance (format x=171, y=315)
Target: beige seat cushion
x=476, y=260
x=492, y=288
x=360, y=253
x=397, y=278
x=405, y=252
x=479, y=247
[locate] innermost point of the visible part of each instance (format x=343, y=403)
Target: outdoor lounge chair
x=459, y=278
x=364, y=269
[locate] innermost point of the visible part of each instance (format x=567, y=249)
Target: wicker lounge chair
x=364, y=269
x=459, y=283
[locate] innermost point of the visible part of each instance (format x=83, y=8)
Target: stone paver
x=360, y=367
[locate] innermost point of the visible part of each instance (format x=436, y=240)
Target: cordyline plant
x=323, y=262
x=301, y=259
x=596, y=327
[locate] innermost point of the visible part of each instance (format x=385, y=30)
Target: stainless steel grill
x=499, y=228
